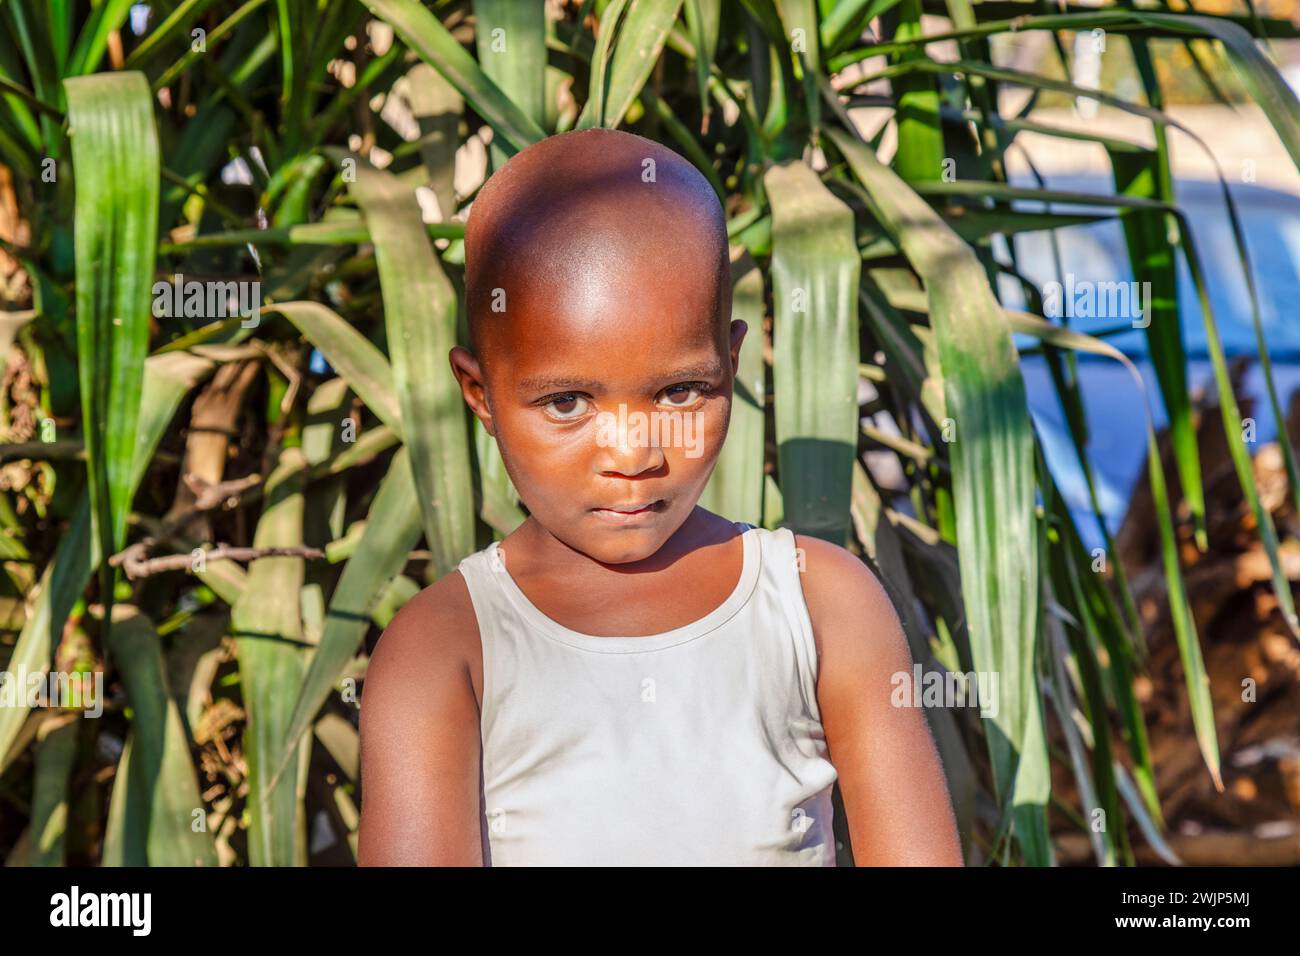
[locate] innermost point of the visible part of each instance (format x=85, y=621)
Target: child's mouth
x=629, y=514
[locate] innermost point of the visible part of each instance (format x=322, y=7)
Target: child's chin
x=624, y=545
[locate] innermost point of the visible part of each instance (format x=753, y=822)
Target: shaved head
x=598, y=287
x=582, y=218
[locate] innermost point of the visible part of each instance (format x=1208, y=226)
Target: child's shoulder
x=841, y=592
x=434, y=628
x=831, y=567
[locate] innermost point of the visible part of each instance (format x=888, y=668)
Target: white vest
x=698, y=746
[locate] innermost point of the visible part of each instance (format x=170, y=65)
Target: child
x=627, y=678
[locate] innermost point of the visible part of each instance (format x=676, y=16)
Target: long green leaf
x=920, y=152
x=992, y=459
x=1236, y=436
x=1153, y=256
x=56, y=752
x=1189, y=648
x=421, y=31
x=105, y=17
x=420, y=308
x=703, y=18
x=392, y=530
x=641, y=38
x=267, y=625
x=161, y=764
x=351, y=354
x=735, y=489
x=173, y=27
x=126, y=833
x=31, y=31
x=116, y=165
x=511, y=41
x=815, y=274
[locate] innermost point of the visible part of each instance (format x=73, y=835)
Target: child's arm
x=895, y=793
x=420, y=737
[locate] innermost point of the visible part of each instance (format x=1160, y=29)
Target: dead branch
x=143, y=567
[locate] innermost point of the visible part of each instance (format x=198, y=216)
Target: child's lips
x=629, y=514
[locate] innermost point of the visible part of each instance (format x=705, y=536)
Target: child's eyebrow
x=538, y=383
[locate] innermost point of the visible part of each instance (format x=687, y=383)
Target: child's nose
x=628, y=453
x=630, y=461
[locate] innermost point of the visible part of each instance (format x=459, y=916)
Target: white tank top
x=702, y=745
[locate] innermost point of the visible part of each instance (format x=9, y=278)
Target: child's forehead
x=618, y=271
x=597, y=319
x=611, y=281
x=597, y=324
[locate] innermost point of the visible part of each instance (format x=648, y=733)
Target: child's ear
x=738, y=330
x=469, y=373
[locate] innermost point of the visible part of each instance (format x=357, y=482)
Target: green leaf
x=1236, y=438
x=160, y=760
x=351, y=354
x=56, y=752
x=429, y=39
x=641, y=39
x=173, y=28
x=511, y=41
x=1189, y=648
x=338, y=232
x=115, y=161
x=392, y=530
x=217, y=33
x=920, y=151
x=993, y=478
x=126, y=833
x=703, y=19
x=846, y=21
x=420, y=307
x=735, y=489
x=107, y=16
x=266, y=622
x=815, y=273
x=799, y=17
x=1152, y=253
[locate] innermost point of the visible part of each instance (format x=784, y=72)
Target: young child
x=628, y=678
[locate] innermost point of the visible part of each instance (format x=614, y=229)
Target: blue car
x=1096, y=253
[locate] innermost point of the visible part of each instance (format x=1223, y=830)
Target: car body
x=1096, y=253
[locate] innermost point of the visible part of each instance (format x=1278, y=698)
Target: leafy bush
x=324, y=150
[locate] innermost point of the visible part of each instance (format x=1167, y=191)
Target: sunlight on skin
x=634, y=294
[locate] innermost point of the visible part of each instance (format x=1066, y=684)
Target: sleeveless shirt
x=698, y=746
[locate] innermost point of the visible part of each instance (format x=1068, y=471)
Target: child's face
x=610, y=404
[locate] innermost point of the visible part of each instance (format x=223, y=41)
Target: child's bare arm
x=895, y=793
x=420, y=737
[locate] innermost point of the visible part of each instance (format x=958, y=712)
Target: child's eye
x=566, y=407
x=684, y=395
